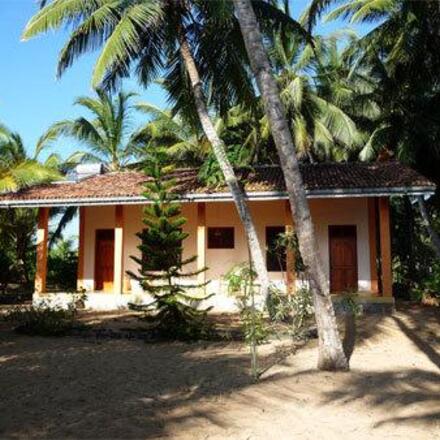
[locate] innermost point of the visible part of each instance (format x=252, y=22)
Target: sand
x=72, y=388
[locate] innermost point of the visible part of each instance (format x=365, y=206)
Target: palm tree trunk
x=435, y=239
x=331, y=354
x=219, y=150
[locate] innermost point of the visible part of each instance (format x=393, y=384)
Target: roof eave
x=222, y=197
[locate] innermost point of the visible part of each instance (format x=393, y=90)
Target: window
x=275, y=254
x=221, y=238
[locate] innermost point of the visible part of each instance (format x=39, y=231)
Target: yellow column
x=385, y=246
x=118, y=274
x=201, y=241
x=81, y=243
x=290, y=255
x=372, y=239
x=42, y=235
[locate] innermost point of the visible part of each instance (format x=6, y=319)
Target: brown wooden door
x=343, y=259
x=104, y=259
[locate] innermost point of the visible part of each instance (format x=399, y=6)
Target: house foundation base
x=370, y=304
x=220, y=303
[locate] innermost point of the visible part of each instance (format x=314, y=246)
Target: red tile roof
x=319, y=179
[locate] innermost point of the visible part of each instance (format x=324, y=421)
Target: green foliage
x=173, y=312
x=107, y=136
x=351, y=305
x=430, y=287
x=289, y=242
x=42, y=320
x=63, y=266
x=241, y=284
x=297, y=309
x=17, y=232
x=184, y=143
x=240, y=280
x=19, y=170
x=302, y=309
x=415, y=268
x=8, y=272
x=255, y=329
x=210, y=173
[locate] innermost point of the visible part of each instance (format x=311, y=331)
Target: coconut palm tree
x=107, y=136
x=197, y=44
x=18, y=170
x=185, y=144
x=188, y=146
x=401, y=57
x=331, y=353
x=320, y=126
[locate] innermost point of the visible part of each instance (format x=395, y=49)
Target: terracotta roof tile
x=317, y=177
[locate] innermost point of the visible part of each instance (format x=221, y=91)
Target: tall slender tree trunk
x=219, y=150
x=435, y=239
x=331, y=353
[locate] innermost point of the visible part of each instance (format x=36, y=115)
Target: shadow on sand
x=73, y=388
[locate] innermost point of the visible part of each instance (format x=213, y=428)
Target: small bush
x=254, y=326
x=176, y=322
x=429, y=288
x=240, y=280
x=296, y=309
x=42, y=320
x=8, y=273
x=350, y=304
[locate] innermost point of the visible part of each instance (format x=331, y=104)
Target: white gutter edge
x=219, y=197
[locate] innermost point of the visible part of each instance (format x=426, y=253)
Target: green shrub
x=351, y=305
x=240, y=280
x=8, y=273
x=430, y=286
x=296, y=309
x=42, y=320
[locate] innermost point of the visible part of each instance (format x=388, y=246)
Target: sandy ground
x=119, y=389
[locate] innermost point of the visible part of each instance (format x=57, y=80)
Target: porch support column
x=201, y=241
x=118, y=274
x=372, y=240
x=385, y=245
x=290, y=255
x=81, y=244
x=42, y=235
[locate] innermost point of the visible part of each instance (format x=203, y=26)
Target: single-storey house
x=349, y=204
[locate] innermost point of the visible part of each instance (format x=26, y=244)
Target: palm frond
x=125, y=41
x=59, y=12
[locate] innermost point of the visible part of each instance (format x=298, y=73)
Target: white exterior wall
x=325, y=212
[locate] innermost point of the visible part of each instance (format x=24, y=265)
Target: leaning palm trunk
x=331, y=353
x=220, y=153
x=435, y=239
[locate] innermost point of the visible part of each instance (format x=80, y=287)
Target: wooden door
x=104, y=259
x=343, y=259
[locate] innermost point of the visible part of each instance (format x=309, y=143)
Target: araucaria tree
x=173, y=311
x=331, y=353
